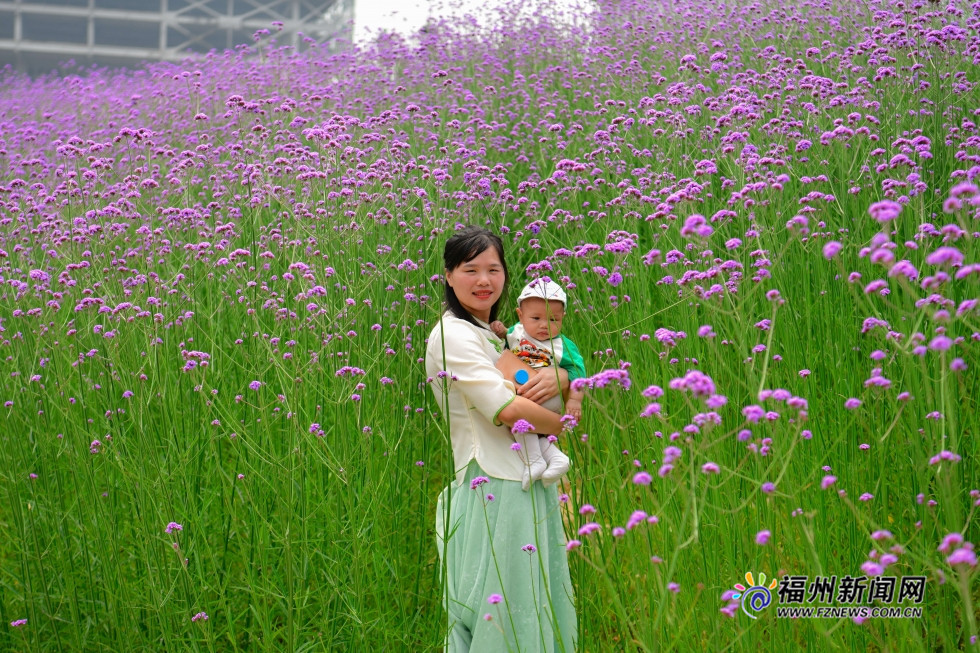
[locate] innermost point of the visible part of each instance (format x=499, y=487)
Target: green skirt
x=507, y=581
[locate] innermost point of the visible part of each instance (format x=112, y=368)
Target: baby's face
x=542, y=320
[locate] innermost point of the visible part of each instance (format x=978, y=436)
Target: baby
x=536, y=341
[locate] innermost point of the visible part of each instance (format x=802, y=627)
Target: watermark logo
x=857, y=598
x=755, y=597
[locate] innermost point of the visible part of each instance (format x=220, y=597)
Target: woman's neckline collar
x=483, y=324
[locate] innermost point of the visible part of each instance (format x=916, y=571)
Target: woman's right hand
x=544, y=385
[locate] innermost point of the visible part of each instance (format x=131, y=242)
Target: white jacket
x=472, y=396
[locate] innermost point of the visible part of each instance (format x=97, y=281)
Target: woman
x=506, y=568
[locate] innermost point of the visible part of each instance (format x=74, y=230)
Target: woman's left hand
x=543, y=386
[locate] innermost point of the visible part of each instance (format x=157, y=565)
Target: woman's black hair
x=462, y=247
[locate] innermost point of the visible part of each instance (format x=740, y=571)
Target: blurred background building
x=37, y=35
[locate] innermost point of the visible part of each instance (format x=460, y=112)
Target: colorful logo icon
x=754, y=597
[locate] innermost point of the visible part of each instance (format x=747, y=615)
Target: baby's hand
x=574, y=408
x=498, y=329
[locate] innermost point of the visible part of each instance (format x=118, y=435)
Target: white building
x=36, y=35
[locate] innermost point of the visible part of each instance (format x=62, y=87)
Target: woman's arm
x=509, y=364
x=542, y=419
x=457, y=355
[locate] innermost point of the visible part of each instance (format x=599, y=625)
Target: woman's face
x=478, y=283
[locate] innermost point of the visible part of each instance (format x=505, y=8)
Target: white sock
x=534, y=462
x=558, y=462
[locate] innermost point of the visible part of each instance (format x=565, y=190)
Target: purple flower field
x=216, y=279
